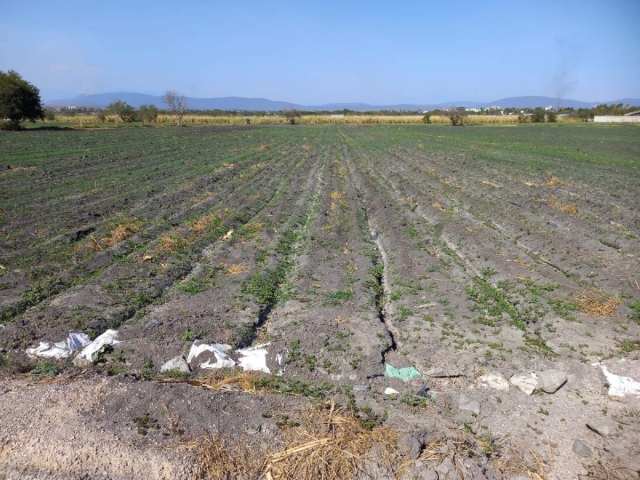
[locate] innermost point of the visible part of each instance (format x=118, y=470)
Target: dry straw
x=554, y=203
x=596, y=303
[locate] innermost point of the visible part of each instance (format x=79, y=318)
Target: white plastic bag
x=60, y=350
x=620, y=386
x=218, y=350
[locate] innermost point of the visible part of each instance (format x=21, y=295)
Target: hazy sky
x=318, y=52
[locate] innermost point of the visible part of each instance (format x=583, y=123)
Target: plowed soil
x=461, y=252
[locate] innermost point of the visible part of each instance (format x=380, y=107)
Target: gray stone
x=603, y=426
x=152, y=323
x=410, y=446
x=447, y=470
x=494, y=381
x=176, y=363
x=423, y=472
x=526, y=383
x=254, y=429
x=467, y=404
x=582, y=448
x=412, y=443
x=361, y=388
x=550, y=381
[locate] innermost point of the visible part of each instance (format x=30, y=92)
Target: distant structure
x=631, y=117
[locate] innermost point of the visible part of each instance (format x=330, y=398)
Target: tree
x=585, y=114
x=122, y=110
x=291, y=115
x=176, y=103
x=457, y=116
x=552, y=117
x=538, y=116
x=426, y=118
x=19, y=99
x=148, y=113
x=49, y=115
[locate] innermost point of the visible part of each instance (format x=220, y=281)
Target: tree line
x=20, y=101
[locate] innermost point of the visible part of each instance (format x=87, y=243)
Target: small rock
x=423, y=392
x=550, y=381
x=176, y=363
x=603, y=426
x=390, y=391
x=254, y=429
x=494, y=381
x=447, y=470
x=582, y=448
x=361, y=388
x=410, y=446
x=526, y=383
x=467, y=404
x=425, y=473
x=152, y=323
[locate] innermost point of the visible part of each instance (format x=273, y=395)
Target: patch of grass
x=340, y=297
x=46, y=367
x=628, y=346
x=193, y=286
x=563, y=308
x=145, y=423
x=538, y=345
x=634, y=315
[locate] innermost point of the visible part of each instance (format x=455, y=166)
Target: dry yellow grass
x=596, y=303
x=511, y=120
x=120, y=231
x=235, y=269
x=555, y=181
x=556, y=205
x=489, y=182
x=206, y=222
x=167, y=243
x=11, y=171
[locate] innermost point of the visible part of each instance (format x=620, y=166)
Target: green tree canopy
x=19, y=99
x=122, y=110
x=148, y=113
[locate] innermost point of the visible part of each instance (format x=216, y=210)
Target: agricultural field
x=475, y=255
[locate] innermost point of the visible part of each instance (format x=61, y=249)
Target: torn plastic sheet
x=280, y=360
x=254, y=358
x=405, y=374
x=90, y=352
x=620, y=386
x=64, y=349
x=222, y=359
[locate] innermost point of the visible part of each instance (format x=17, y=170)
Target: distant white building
x=475, y=110
x=549, y=108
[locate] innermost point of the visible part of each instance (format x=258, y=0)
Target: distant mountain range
x=263, y=104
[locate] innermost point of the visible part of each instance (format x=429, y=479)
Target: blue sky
x=327, y=51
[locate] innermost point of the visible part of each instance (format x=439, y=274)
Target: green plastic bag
x=405, y=374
